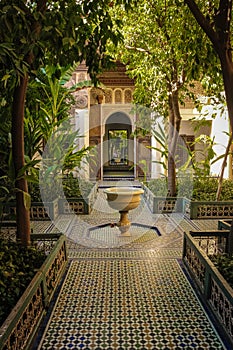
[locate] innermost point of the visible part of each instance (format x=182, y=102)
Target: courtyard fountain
x=123, y=199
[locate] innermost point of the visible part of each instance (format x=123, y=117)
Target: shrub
x=49, y=192
x=227, y=190
x=206, y=189
x=197, y=189
x=76, y=187
x=224, y=264
x=158, y=187
x=185, y=185
x=18, y=266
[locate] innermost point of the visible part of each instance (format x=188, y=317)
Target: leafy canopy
x=59, y=31
x=165, y=50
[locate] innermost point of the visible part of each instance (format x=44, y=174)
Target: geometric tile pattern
x=84, y=230
x=124, y=254
x=206, y=224
x=40, y=226
x=111, y=237
x=94, y=230
x=130, y=296
x=195, y=225
x=128, y=304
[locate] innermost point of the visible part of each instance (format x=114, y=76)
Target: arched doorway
x=118, y=147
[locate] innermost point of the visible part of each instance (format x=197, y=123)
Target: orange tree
x=33, y=33
x=162, y=54
x=215, y=18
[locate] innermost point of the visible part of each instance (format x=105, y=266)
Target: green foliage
x=48, y=104
x=72, y=187
x=198, y=189
x=35, y=193
x=204, y=189
x=75, y=187
x=59, y=158
x=224, y=264
x=54, y=101
x=33, y=132
x=18, y=266
x=8, y=187
x=4, y=193
x=165, y=51
x=162, y=139
x=227, y=190
x=204, y=152
x=33, y=32
x=48, y=123
x=158, y=187
x=5, y=125
x=185, y=184
x=34, y=190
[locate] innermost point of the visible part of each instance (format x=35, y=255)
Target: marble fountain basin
x=123, y=199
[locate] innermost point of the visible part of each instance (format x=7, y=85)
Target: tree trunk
x=171, y=167
x=174, y=128
x=224, y=163
x=22, y=212
x=171, y=179
x=227, y=70
x=221, y=40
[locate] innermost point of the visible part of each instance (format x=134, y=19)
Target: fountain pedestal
x=123, y=199
x=124, y=223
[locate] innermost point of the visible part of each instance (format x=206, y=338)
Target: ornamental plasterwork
x=118, y=96
x=128, y=96
x=111, y=95
x=81, y=77
x=81, y=99
x=96, y=95
x=108, y=96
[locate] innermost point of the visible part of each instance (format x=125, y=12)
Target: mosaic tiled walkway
x=129, y=296
x=135, y=302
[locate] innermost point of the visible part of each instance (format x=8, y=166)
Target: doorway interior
x=118, y=152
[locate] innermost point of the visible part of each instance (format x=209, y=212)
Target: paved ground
x=126, y=292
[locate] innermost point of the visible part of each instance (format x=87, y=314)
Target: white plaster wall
x=82, y=124
x=157, y=169
x=188, y=127
x=220, y=125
